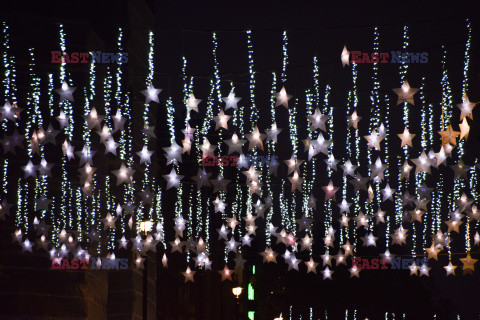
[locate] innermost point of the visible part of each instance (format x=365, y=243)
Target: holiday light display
x=106, y=203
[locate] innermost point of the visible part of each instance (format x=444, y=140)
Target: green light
x=253, y=269
x=251, y=292
x=251, y=315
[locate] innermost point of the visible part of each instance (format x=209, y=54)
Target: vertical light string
x=356, y=203
x=66, y=210
x=403, y=184
x=461, y=144
x=387, y=162
x=271, y=149
x=212, y=102
x=328, y=110
x=121, y=97
x=253, y=111
x=447, y=103
x=422, y=176
x=9, y=86
x=375, y=113
x=284, y=200
x=147, y=213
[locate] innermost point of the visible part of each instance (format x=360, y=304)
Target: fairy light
x=387, y=162
x=421, y=177
x=356, y=201
x=328, y=110
x=9, y=85
x=271, y=150
x=67, y=107
x=374, y=122
x=447, y=103
x=460, y=148
x=403, y=185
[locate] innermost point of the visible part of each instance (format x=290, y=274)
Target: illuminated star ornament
x=449, y=136
x=231, y=101
x=124, y=174
x=406, y=137
x=235, y=144
x=192, y=103
x=345, y=56
x=318, y=120
x=405, y=93
x=65, y=92
x=255, y=139
x=273, y=132
x=221, y=120
x=468, y=264
x=282, y=98
x=353, y=120
x=94, y=120
x=466, y=108
x=151, y=94
x=173, y=179
x=374, y=140
x=188, y=274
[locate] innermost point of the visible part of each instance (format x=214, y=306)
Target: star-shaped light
x=449, y=136
x=202, y=178
x=413, y=269
x=189, y=274
x=441, y=157
x=406, y=137
x=234, y=144
x=231, y=101
x=345, y=56
x=145, y=155
x=192, y=103
x=450, y=269
x=422, y=163
x=330, y=191
x=353, y=120
x=207, y=148
x=311, y=265
x=30, y=170
x=400, y=236
x=369, y=240
x=460, y=169
x=255, y=139
x=432, y=252
x=109, y=221
x=327, y=273
x=273, y=132
x=151, y=94
x=466, y=108
x=348, y=168
x=374, y=140
x=124, y=174
x=94, y=120
x=173, y=154
x=269, y=255
x=296, y=181
x=219, y=205
x=405, y=93
x=468, y=264
x=317, y=146
x=111, y=146
x=318, y=120
x=464, y=129
x=65, y=92
x=282, y=98
x=293, y=164
x=377, y=170
x=221, y=120
x=387, y=193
